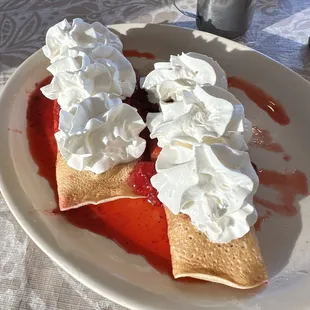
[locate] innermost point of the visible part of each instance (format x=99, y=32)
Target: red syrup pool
x=137, y=225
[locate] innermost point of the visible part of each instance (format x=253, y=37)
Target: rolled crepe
x=80, y=188
x=238, y=263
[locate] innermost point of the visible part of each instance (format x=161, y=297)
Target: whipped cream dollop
x=99, y=133
x=86, y=60
x=213, y=184
x=79, y=35
x=203, y=169
x=197, y=68
x=70, y=88
x=210, y=114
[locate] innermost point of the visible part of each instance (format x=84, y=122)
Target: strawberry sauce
x=137, y=225
x=262, y=138
x=288, y=186
x=42, y=123
x=135, y=53
x=141, y=184
x=264, y=101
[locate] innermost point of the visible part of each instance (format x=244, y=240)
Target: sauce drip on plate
x=288, y=186
x=262, y=138
x=135, y=53
x=264, y=101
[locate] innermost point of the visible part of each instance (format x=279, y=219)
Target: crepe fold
x=79, y=188
x=238, y=263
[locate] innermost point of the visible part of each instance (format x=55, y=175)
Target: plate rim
x=105, y=290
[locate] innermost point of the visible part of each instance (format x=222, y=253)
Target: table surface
x=28, y=278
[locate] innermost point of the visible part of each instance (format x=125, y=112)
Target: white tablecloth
x=28, y=278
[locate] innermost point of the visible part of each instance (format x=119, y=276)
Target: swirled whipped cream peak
x=210, y=114
x=75, y=61
x=78, y=62
x=86, y=60
x=70, y=88
x=99, y=133
x=79, y=35
x=213, y=184
x=197, y=68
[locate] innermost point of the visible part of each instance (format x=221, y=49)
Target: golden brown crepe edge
x=78, y=188
x=238, y=264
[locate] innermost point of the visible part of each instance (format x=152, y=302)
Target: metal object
x=226, y=18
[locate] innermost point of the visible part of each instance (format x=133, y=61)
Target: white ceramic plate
x=128, y=279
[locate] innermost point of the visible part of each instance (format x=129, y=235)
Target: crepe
x=80, y=188
x=238, y=264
